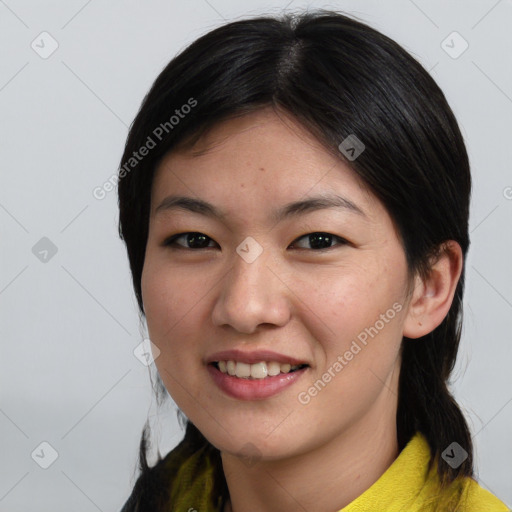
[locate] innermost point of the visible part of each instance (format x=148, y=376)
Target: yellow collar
x=406, y=486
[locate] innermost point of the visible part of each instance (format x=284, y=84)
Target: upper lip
x=255, y=356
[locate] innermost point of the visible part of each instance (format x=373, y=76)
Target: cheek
x=359, y=355
x=167, y=300
x=169, y=295
x=347, y=300
x=171, y=302
x=178, y=306
x=360, y=309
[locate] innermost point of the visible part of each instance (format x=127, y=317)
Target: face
x=317, y=285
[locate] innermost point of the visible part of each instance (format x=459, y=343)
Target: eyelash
x=171, y=241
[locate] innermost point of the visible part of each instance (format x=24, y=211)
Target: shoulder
x=151, y=492
x=464, y=494
x=185, y=475
x=152, y=488
x=475, y=499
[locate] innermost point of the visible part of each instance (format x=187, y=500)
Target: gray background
x=69, y=323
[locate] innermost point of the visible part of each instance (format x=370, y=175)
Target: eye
x=196, y=240
x=320, y=240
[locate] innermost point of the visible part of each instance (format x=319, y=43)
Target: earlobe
x=432, y=298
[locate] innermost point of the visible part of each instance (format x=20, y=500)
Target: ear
x=431, y=299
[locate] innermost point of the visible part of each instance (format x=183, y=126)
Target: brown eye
x=319, y=240
x=193, y=240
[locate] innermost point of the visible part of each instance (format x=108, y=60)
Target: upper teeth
x=257, y=370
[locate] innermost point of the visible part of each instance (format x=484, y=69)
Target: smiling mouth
x=255, y=371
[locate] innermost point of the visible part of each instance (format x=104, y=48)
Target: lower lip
x=253, y=389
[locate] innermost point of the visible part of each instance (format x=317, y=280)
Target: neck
x=327, y=478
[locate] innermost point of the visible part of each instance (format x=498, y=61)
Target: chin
x=254, y=444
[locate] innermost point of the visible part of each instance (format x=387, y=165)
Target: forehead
x=259, y=158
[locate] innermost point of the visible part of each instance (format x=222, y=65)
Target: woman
x=294, y=198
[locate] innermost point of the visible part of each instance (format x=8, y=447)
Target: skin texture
x=293, y=299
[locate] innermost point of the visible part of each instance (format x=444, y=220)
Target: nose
x=251, y=295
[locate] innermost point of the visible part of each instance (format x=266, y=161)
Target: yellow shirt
x=406, y=486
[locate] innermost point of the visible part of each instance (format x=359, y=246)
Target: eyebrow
x=296, y=208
